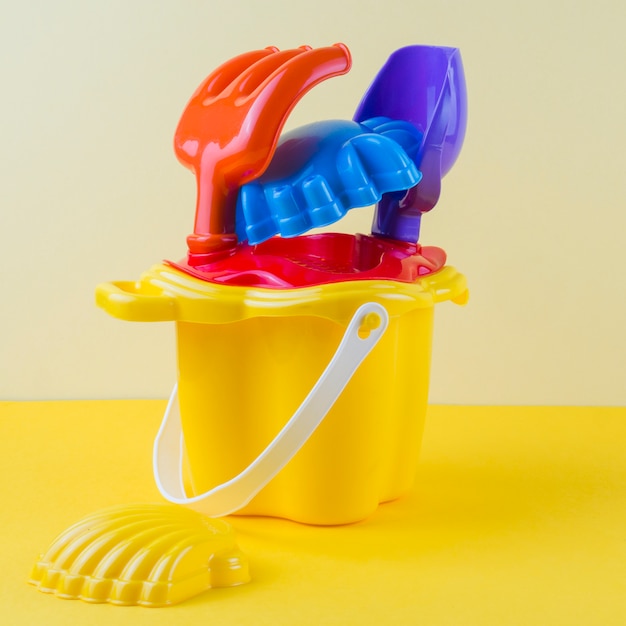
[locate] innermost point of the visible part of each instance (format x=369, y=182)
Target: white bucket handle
x=372, y=320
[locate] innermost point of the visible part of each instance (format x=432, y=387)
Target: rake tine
x=226, y=73
x=288, y=84
x=257, y=73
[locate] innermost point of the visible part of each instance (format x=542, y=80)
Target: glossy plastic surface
x=149, y=555
x=167, y=294
x=322, y=170
x=229, y=129
x=248, y=356
x=364, y=330
x=423, y=85
x=308, y=260
x=239, y=384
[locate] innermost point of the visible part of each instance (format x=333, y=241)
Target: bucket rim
x=164, y=293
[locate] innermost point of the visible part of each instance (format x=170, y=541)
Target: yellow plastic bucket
x=248, y=357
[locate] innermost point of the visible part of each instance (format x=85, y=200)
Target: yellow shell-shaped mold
x=149, y=555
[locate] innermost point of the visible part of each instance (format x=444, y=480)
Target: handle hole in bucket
x=370, y=322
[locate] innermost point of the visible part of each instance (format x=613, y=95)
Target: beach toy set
x=303, y=359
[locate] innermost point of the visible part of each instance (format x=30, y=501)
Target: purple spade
x=423, y=85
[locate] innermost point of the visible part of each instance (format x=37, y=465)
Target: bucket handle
x=363, y=332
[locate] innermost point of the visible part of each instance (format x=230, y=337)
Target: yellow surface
x=518, y=516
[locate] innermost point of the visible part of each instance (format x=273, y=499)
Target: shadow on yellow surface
x=517, y=517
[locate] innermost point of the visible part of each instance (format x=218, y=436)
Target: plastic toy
x=432, y=83
x=231, y=125
x=344, y=165
x=303, y=360
x=150, y=555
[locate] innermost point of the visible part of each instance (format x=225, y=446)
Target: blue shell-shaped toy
x=321, y=171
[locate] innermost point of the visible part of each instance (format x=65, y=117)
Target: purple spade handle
x=423, y=85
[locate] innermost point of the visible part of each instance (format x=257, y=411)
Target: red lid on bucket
x=319, y=259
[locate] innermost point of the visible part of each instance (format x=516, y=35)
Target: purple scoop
x=423, y=85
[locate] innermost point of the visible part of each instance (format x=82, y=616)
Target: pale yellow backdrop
x=533, y=212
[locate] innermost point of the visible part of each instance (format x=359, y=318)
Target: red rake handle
x=229, y=130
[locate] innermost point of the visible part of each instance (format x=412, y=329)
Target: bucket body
x=248, y=357
x=364, y=452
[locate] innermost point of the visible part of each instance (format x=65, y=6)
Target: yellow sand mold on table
x=149, y=555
